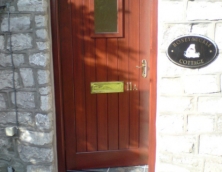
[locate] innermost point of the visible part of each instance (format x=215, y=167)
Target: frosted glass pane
x=105, y=16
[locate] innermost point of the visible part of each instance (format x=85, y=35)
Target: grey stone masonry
x=26, y=103
x=189, y=120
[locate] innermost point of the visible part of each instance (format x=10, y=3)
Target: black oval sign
x=192, y=51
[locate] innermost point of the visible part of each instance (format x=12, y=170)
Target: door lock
x=144, y=68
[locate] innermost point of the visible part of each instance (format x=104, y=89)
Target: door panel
x=101, y=130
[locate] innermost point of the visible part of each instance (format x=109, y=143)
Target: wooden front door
x=108, y=129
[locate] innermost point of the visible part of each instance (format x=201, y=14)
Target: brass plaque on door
x=107, y=87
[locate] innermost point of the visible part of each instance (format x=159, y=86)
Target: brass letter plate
x=107, y=87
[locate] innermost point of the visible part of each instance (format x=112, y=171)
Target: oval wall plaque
x=192, y=51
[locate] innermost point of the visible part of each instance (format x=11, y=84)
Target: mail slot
x=107, y=87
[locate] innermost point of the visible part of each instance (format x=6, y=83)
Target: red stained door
x=104, y=130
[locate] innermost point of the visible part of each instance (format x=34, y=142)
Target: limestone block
x=6, y=78
x=43, y=76
x=2, y=101
x=20, y=42
x=27, y=77
x=43, y=121
x=202, y=10
x=171, y=32
x=2, y=42
x=211, y=144
x=198, y=84
x=213, y=67
x=42, y=34
x=46, y=102
x=35, y=155
x=41, y=21
x=24, y=118
x=201, y=123
x=39, y=59
x=177, y=144
x=218, y=32
x=219, y=123
x=32, y=5
x=212, y=167
x=42, y=45
x=5, y=143
x=175, y=104
x=163, y=167
x=24, y=100
x=210, y=105
x=5, y=60
x=35, y=138
x=189, y=161
x=165, y=157
x=201, y=29
x=45, y=90
x=170, y=123
x=171, y=86
x=172, y=11
x=35, y=168
x=17, y=23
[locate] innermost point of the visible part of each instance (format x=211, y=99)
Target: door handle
x=144, y=68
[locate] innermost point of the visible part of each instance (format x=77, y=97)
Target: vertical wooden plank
x=79, y=74
x=134, y=72
x=101, y=75
x=113, y=122
x=123, y=56
x=144, y=82
x=90, y=76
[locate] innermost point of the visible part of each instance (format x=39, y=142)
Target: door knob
x=144, y=68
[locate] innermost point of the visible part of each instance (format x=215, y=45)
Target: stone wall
x=33, y=149
x=189, y=118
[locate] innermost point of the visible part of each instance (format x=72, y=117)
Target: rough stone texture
x=211, y=144
x=178, y=144
x=46, y=102
x=201, y=84
x=163, y=167
x=218, y=32
x=6, y=77
x=32, y=5
x=42, y=45
x=171, y=86
x=2, y=42
x=2, y=101
x=33, y=168
x=24, y=99
x=20, y=42
x=24, y=118
x=171, y=123
x=201, y=124
x=43, y=76
x=210, y=105
x=35, y=155
x=27, y=77
x=41, y=21
x=201, y=10
x=42, y=34
x=39, y=59
x=219, y=123
x=189, y=161
x=5, y=60
x=17, y=23
x=213, y=167
x=43, y=122
x=35, y=138
x=172, y=8
x=45, y=90
x=175, y=104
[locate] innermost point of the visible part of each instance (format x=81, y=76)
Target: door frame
x=61, y=158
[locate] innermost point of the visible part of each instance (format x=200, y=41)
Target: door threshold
x=116, y=169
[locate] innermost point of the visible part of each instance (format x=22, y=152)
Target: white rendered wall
x=189, y=106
